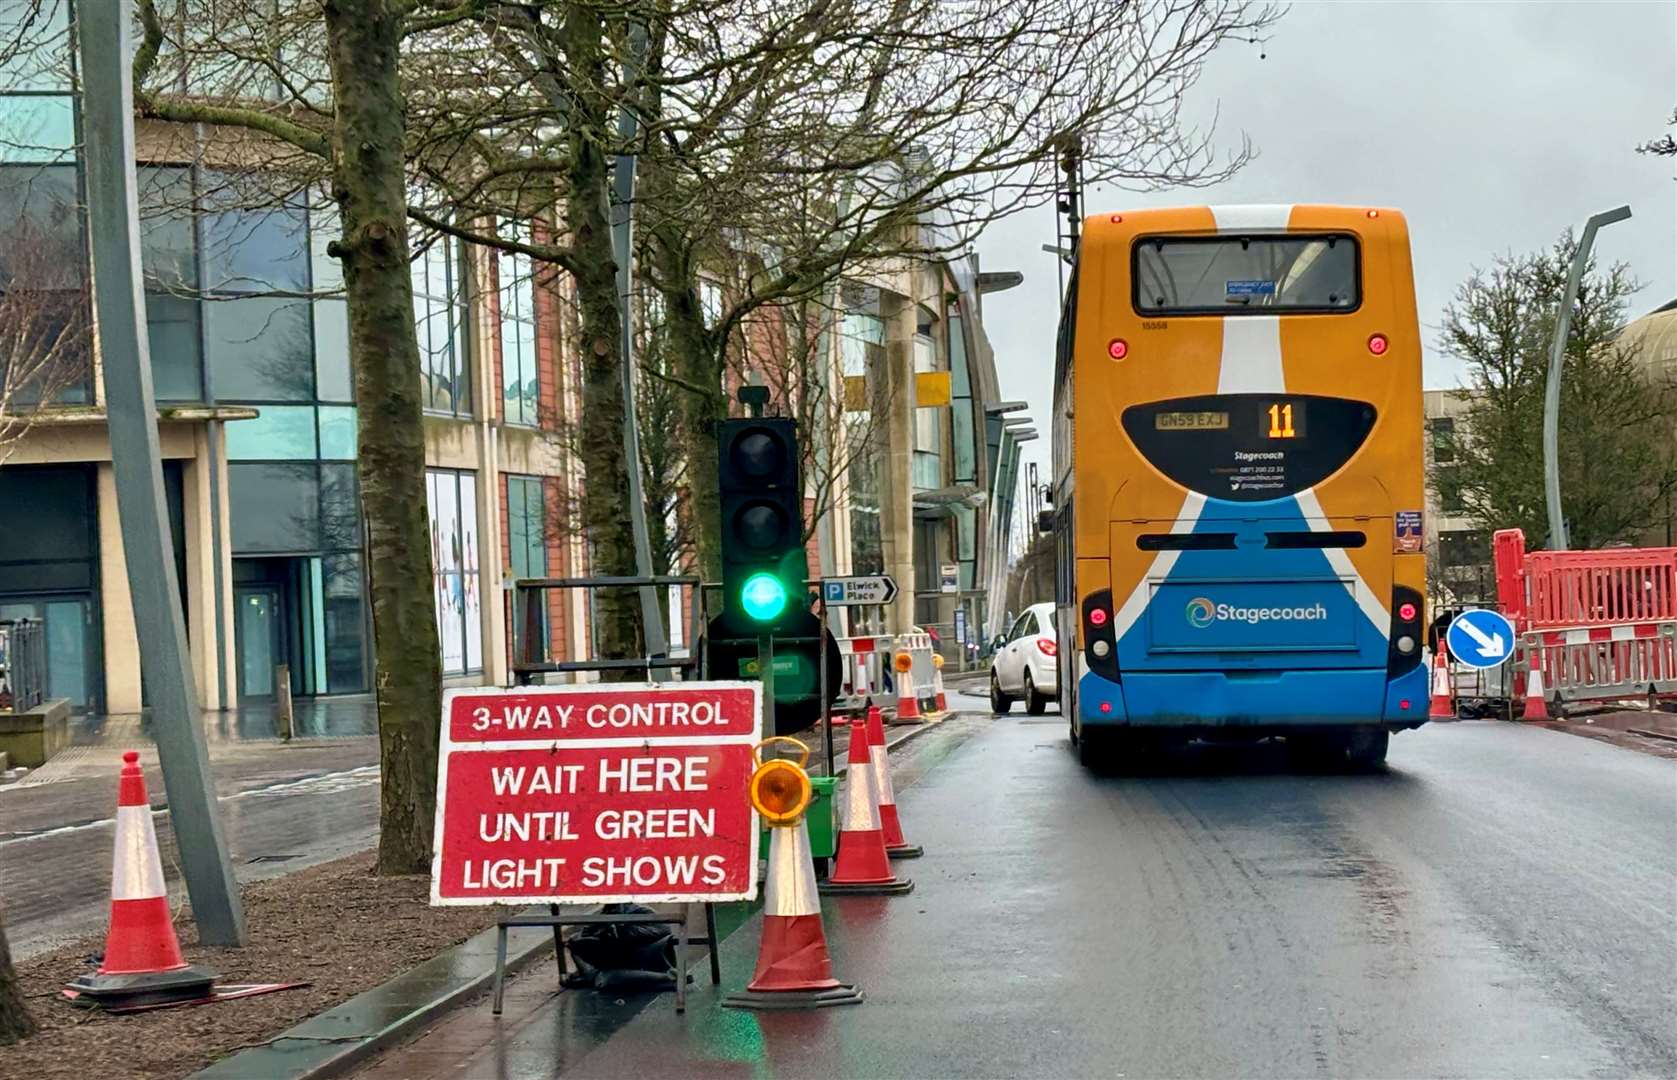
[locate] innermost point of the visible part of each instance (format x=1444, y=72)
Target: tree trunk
x=604, y=520
x=15, y=1021
x=363, y=44
x=698, y=364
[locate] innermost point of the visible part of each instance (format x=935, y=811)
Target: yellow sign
x=931, y=389
x=856, y=393
x=1281, y=421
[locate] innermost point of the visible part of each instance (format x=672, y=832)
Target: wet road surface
x=285, y=806
x=1501, y=901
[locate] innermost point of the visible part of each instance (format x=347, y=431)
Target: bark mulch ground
x=335, y=926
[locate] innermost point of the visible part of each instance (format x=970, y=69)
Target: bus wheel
x=999, y=702
x=1035, y=703
x=1366, y=748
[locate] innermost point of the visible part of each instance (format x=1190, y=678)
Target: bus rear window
x=1245, y=275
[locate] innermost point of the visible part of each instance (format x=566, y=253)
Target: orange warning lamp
x=937, y=659
x=903, y=662
x=780, y=789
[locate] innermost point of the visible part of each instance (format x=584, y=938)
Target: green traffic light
x=763, y=597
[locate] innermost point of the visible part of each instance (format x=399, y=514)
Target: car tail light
x=1377, y=344
x=1047, y=646
x=1406, y=612
x=1118, y=348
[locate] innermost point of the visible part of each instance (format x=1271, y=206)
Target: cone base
x=894, y=887
x=769, y=1001
x=148, y=988
x=906, y=851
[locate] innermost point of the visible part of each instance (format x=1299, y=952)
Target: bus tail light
x=1402, y=654
x=1100, y=647
x=1377, y=344
x=1118, y=348
x=1047, y=647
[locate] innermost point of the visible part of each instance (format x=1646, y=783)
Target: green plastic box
x=823, y=831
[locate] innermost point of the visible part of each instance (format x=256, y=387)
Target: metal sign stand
x=653, y=665
x=556, y=919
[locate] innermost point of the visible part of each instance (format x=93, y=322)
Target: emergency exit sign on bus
x=597, y=794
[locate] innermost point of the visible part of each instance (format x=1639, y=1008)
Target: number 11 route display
x=597, y=794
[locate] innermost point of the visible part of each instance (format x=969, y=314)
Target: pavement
x=1500, y=901
x=285, y=806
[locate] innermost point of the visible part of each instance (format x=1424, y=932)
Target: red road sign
x=597, y=794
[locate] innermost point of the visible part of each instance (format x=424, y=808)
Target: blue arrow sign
x=1481, y=639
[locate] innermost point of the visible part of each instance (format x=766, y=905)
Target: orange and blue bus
x=1238, y=480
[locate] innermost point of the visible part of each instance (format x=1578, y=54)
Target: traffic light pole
x=765, y=672
x=826, y=712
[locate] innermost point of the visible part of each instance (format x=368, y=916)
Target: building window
x=46, y=305
x=1447, y=482
x=259, y=346
x=928, y=425
x=963, y=435
x=520, y=380
x=527, y=537
x=1443, y=432
x=440, y=318
x=1462, y=547
x=451, y=498
x=37, y=108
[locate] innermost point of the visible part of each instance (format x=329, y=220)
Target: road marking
x=318, y=784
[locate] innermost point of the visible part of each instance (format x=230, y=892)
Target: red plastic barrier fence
x=1611, y=587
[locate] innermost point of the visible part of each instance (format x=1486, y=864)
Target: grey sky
x=1493, y=126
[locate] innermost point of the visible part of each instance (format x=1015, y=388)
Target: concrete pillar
x=229, y=647
x=121, y=644
x=493, y=606
x=896, y=473
x=201, y=595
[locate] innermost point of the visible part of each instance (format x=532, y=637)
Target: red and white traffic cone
x=142, y=962
x=937, y=684
x=908, y=703
x=1537, y=706
x=862, y=864
x=1441, y=707
x=896, y=845
x=794, y=970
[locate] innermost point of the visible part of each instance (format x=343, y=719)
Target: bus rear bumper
x=1278, y=700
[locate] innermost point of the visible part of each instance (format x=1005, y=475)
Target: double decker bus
x=1238, y=480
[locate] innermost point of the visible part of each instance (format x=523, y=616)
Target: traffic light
x=763, y=562
x=764, y=572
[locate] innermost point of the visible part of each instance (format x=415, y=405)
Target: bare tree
x=314, y=94
x=45, y=328
x=818, y=142
x=1665, y=145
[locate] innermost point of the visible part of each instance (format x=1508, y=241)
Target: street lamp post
x=1552, y=391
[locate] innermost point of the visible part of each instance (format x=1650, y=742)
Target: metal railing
x=23, y=664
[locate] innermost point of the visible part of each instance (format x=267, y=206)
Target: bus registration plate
x=1191, y=421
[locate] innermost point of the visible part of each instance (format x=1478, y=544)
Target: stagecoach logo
x=1202, y=613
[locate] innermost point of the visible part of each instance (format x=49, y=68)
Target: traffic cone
x=794, y=970
x=896, y=846
x=1537, y=707
x=908, y=703
x=1441, y=707
x=142, y=963
x=937, y=684
x=862, y=865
